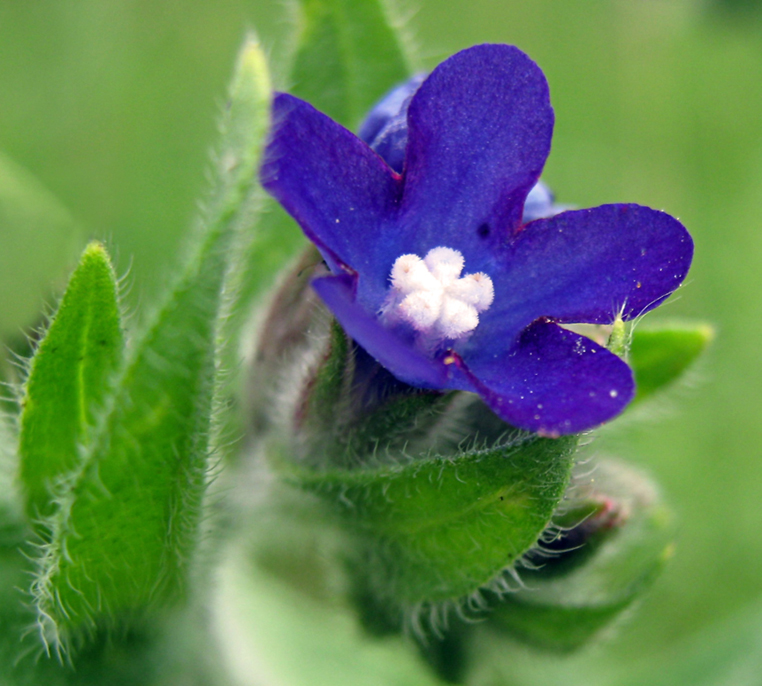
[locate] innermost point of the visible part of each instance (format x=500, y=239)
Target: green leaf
x=629, y=539
x=127, y=529
x=39, y=242
x=348, y=55
x=68, y=380
x=438, y=529
x=659, y=356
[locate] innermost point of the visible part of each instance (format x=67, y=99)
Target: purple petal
x=387, y=347
x=553, y=381
x=339, y=191
x=479, y=133
x=584, y=266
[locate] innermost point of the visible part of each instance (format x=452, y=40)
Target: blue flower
x=434, y=270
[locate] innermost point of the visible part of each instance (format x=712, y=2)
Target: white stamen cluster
x=430, y=295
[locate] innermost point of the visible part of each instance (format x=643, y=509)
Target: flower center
x=431, y=296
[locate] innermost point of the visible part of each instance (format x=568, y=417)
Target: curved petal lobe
x=398, y=356
x=553, y=381
x=479, y=133
x=337, y=188
x=585, y=266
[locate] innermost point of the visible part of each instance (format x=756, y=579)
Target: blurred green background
x=112, y=107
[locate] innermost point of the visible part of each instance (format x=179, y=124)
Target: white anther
x=422, y=309
x=430, y=295
x=444, y=263
x=457, y=318
x=474, y=289
x=410, y=274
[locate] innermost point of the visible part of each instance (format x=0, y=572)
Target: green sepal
x=282, y=335
x=344, y=423
x=404, y=423
x=619, y=337
x=124, y=536
x=342, y=408
x=562, y=610
x=69, y=379
x=331, y=383
x=440, y=528
x=348, y=55
x=660, y=356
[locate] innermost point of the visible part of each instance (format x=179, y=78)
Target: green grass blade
x=348, y=56
x=125, y=535
x=69, y=376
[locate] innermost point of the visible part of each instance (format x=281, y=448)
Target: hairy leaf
x=440, y=528
x=125, y=534
x=68, y=380
x=660, y=356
